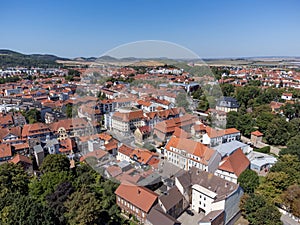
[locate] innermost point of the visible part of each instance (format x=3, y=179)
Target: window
x=204, y=198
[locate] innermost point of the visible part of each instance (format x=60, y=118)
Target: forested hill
x=10, y=58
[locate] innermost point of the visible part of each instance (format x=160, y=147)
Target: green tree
x=293, y=147
x=231, y=119
x=275, y=183
x=245, y=124
x=24, y=210
x=263, y=120
x=291, y=199
x=244, y=94
x=85, y=213
x=203, y=104
x=32, y=116
x=290, y=164
x=289, y=110
x=277, y=132
x=258, y=211
x=294, y=127
x=227, y=89
x=249, y=181
x=55, y=163
x=13, y=179
x=69, y=111
x=181, y=101
x=57, y=199
x=267, y=215
x=197, y=94
x=47, y=184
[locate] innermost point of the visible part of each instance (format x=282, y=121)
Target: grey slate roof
x=156, y=216
x=221, y=187
x=171, y=198
x=38, y=148
x=228, y=102
x=229, y=147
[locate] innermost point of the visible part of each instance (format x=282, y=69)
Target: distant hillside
x=10, y=58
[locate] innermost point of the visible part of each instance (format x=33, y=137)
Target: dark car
x=188, y=211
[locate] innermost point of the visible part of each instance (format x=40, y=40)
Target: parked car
x=190, y=212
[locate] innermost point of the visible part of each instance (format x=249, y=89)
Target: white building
x=187, y=153
x=215, y=137
x=209, y=193
x=231, y=167
x=126, y=121
x=287, y=96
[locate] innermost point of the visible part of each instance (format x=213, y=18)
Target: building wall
x=203, y=199
x=131, y=209
x=121, y=157
x=226, y=175
x=232, y=204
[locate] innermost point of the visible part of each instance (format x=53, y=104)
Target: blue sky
x=209, y=28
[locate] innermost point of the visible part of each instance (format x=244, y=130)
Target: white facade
x=185, y=160
x=123, y=157
x=226, y=175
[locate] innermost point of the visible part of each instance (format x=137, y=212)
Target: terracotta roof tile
x=236, y=163
x=140, y=197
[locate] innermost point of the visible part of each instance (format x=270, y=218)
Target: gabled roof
x=66, y=145
x=98, y=154
x=257, y=133
x=140, y=197
x=156, y=216
x=20, y=158
x=144, y=103
x=114, y=170
x=128, y=116
x=5, y=150
x=209, y=181
x=236, y=163
x=6, y=119
x=13, y=130
x=213, y=133
x=144, y=129
x=35, y=128
x=126, y=150
x=143, y=156
x=69, y=124
x=171, y=198
x=181, y=133
x=192, y=147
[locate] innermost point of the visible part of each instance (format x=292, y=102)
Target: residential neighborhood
x=172, y=161
x=150, y=112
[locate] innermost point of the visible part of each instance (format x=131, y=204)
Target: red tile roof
x=140, y=197
x=192, y=147
x=128, y=116
x=5, y=150
x=257, y=133
x=236, y=163
x=66, y=145
x=20, y=158
x=13, y=130
x=98, y=154
x=34, y=129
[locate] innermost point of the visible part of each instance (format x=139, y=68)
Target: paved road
x=288, y=221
